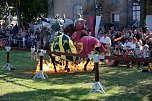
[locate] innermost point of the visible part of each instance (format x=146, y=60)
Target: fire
x=49, y=68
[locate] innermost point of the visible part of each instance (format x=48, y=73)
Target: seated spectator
x=138, y=50
x=133, y=43
x=127, y=44
x=117, y=50
x=146, y=51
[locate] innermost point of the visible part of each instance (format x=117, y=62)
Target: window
x=78, y=9
x=115, y=18
x=136, y=10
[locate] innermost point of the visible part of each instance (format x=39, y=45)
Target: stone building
x=120, y=12
x=149, y=7
x=71, y=8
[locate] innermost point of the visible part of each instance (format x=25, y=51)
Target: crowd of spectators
x=19, y=37
x=128, y=42
x=137, y=42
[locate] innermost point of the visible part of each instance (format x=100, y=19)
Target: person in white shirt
x=138, y=50
x=127, y=44
x=146, y=51
x=133, y=43
x=106, y=42
x=105, y=39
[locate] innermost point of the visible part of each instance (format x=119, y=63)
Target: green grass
x=122, y=84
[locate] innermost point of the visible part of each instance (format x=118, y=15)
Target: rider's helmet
x=57, y=24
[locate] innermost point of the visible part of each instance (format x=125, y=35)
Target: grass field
x=122, y=84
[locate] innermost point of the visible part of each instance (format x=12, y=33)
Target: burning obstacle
x=74, y=67
x=78, y=66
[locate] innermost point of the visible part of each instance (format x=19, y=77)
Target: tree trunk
x=18, y=7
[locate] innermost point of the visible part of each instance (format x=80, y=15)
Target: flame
x=49, y=68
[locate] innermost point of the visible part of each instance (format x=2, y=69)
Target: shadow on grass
x=135, y=93
x=49, y=95
x=63, y=78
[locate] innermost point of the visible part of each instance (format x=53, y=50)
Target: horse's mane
x=70, y=29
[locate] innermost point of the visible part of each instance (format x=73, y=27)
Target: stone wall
x=122, y=7
x=67, y=7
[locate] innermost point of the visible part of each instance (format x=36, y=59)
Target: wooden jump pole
x=41, y=74
x=8, y=66
x=97, y=87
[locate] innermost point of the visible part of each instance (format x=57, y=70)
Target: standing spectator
x=144, y=28
x=37, y=33
x=19, y=38
x=106, y=41
x=15, y=29
x=137, y=34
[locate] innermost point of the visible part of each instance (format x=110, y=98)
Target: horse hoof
x=93, y=70
x=60, y=63
x=68, y=69
x=12, y=69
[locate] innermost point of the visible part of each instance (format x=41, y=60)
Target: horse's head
x=51, y=39
x=100, y=49
x=69, y=29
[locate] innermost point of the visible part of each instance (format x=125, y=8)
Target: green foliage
x=30, y=9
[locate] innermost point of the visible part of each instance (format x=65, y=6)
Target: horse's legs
x=53, y=61
x=66, y=67
x=85, y=66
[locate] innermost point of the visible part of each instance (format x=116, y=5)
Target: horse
x=58, y=42
x=62, y=43
x=83, y=42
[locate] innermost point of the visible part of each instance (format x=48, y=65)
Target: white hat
x=146, y=46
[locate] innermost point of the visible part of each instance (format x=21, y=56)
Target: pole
x=7, y=60
x=97, y=87
x=41, y=74
x=7, y=66
x=41, y=56
x=41, y=62
x=96, y=65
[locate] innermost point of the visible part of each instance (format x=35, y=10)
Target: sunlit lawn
x=122, y=84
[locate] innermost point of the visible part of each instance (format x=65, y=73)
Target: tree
x=32, y=9
x=26, y=10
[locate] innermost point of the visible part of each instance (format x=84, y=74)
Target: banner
x=91, y=18
x=98, y=19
